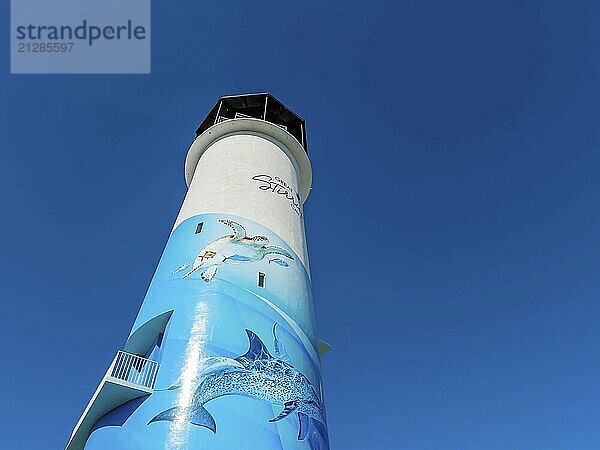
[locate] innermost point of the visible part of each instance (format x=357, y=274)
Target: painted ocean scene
x=259, y=375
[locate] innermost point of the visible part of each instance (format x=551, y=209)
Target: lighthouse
x=223, y=353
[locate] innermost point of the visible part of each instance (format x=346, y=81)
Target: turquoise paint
x=238, y=363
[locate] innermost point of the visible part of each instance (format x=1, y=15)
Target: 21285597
x=45, y=47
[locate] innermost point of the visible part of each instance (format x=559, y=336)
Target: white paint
x=220, y=167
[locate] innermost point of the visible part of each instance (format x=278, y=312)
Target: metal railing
x=133, y=369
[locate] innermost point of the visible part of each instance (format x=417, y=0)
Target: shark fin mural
x=259, y=375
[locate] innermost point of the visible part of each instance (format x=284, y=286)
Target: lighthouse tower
x=223, y=353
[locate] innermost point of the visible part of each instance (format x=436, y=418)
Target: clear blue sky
x=455, y=207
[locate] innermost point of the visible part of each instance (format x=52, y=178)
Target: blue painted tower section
x=228, y=315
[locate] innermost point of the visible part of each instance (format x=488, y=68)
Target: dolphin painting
x=231, y=249
x=257, y=374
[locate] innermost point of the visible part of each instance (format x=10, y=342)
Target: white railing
x=239, y=115
x=133, y=369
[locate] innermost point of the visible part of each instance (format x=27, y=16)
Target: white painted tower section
x=253, y=169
